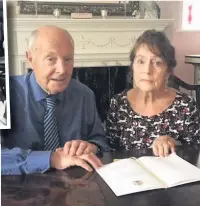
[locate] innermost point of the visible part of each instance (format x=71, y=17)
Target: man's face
x=52, y=62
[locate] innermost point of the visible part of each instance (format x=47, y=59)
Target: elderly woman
x=150, y=114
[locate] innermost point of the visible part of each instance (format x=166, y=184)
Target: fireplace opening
x=104, y=82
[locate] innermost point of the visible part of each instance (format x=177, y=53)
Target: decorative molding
x=110, y=42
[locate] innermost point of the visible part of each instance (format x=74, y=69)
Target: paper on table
x=173, y=170
x=127, y=176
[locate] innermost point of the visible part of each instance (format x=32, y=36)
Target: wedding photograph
x=4, y=74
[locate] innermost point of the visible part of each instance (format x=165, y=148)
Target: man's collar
x=38, y=92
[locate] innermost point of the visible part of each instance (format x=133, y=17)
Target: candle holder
x=57, y=13
x=104, y=13
x=36, y=8
x=17, y=10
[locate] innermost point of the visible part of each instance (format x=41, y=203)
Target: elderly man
x=49, y=109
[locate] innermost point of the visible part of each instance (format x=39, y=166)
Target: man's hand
x=60, y=160
x=162, y=145
x=79, y=147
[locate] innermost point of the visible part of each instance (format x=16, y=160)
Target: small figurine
x=57, y=13
x=136, y=14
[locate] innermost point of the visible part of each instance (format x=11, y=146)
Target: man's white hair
x=32, y=39
x=34, y=34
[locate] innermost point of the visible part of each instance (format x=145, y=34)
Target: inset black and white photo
x=4, y=76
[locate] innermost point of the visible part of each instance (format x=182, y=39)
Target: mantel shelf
x=95, y=23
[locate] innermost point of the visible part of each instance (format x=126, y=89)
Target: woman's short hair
x=158, y=44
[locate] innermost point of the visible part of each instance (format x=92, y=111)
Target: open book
x=148, y=173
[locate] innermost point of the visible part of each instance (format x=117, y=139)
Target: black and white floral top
x=126, y=129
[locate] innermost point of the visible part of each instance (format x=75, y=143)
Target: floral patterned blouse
x=126, y=129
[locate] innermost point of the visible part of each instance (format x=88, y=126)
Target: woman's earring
x=166, y=84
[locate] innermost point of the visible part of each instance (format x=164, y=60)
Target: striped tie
x=51, y=137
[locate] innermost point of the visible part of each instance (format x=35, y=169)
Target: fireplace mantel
x=98, y=42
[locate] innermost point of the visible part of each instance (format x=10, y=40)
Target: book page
x=173, y=170
x=127, y=176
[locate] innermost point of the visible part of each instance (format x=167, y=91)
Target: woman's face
x=149, y=70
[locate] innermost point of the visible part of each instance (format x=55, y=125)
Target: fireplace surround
x=102, y=48
x=98, y=42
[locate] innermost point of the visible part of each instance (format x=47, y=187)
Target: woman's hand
x=162, y=145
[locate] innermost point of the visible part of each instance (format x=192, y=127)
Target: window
x=191, y=15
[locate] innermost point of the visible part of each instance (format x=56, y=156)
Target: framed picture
x=4, y=76
x=114, y=8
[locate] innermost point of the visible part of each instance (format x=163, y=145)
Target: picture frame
x=116, y=8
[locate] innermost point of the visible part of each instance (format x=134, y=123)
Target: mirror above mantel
x=98, y=42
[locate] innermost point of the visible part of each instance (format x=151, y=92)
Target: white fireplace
x=98, y=42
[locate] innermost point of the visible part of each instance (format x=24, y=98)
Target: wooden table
x=76, y=187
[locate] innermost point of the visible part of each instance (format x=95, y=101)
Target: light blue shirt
x=18, y=161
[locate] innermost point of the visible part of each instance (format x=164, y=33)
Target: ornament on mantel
x=17, y=10
x=57, y=13
x=151, y=10
x=36, y=8
x=136, y=14
x=104, y=13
